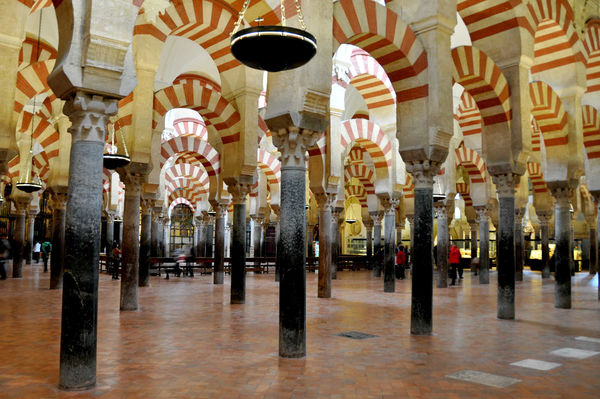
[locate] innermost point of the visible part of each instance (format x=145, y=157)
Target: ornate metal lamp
x=438, y=194
x=112, y=159
x=351, y=219
x=27, y=183
x=273, y=48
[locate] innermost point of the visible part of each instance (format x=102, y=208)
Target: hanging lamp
x=28, y=184
x=112, y=159
x=273, y=48
x=351, y=219
x=438, y=194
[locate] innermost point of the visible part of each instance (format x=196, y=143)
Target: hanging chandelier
x=273, y=48
x=438, y=194
x=350, y=219
x=27, y=183
x=111, y=158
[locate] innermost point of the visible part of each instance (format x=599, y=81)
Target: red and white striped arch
x=591, y=132
x=536, y=136
x=271, y=167
x=408, y=189
x=192, y=144
x=592, y=47
x=193, y=93
x=33, y=51
x=537, y=177
x=178, y=201
x=463, y=190
x=486, y=18
x=549, y=114
x=472, y=162
x=382, y=33
x=371, y=81
x=35, y=5
x=484, y=81
x=31, y=81
x=469, y=117
x=363, y=173
x=372, y=138
x=190, y=127
x=356, y=155
x=358, y=192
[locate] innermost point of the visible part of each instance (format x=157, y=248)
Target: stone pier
x=325, y=202
x=562, y=253
x=484, y=243
x=145, y=243
x=441, y=212
x=59, y=217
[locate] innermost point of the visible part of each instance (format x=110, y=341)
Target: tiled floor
x=187, y=341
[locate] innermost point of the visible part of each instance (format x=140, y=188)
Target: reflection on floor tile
x=356, y=335
x=588, y=339
x=536, y=364
x=479, y=377
x=574, y=353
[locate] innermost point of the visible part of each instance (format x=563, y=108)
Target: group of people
x=44, y=248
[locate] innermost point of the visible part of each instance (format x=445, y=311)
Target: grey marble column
x=505, y=244
x=389, y=277
x=411, y=224
x=239, y=191
x=201, y=244
x=369, y=227
x=325, y=201
x=82, y=231
x=562, y=254
x=474, y=227
x=210, y=237
x=377, y=217
x=131, y=242
x=145, y=243
x=166, y=237
x=110, y=232
x=593, y=251
x=484, y=244
x=309, y=240
x=21, y=205
x=441, y=212
x=59, y=214
x=30, y=237
x=219, y=260
x=277, y=252
x=336, y=230
x=155, y=233
x=519, y=243
x=256, y=235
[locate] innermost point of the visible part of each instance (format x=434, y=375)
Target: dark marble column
x=505, y=244
x=145, y=243
x=309, y=240
x=219, y=262
x=421, y=322
x=30, y=237
x=389, y=277
x=544, y=217
x=474, y=227
x=336, y=230
x=377, y=217
x=593, y=251
x=155, y=233
x=256, y=234
x=131, y=241
x=110, y=232
x=369, y=227
x=277, y=250
x=210, y=236
x=441, y=212
x=82, y=230
x=239, y=191
x=562, y=253
x=411, y=224
x=59, y=214
x=293, y=144
x=21, y=204
x=166, y=242
x=201, y=244
x=484, y=244
x=325, y=201
x=519, y=243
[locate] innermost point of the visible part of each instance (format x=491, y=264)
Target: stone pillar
x=484, y=244
x=519, y=243
x=325, y=202
x=131, y=241
x=369, y=227
x=30, y=237
x=201, y=243
x=277, y=251
x=210, y=235
x=389, y=277
x=293, y=144
x=82, y=230
x=239, y=191
x=155, y=233
x=335, y=238
x=422, y=265
x=411, y=224
x=474, y=227
x=145, y=243
x=110, y=232
x=59, y=214
x=377, y=218
x=256, y=234
x=562, y=254
x=21, y=205
x=309, y=240
x=219, y=261
x=505, y=244
x=593, y=250
x=441, y=212
x=166, y=243
x=544, y=217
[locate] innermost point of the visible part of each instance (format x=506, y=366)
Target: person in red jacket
x=454, y=260
x=400, y=262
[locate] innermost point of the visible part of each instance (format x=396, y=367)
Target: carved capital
x=325, y=200
x=293, y=143
x=89, y=116
x=377, y=217
x=147, y=204
x=562, y=195
x=544, y=217
x=423, y=172
x=59, y=201
x=368, y=224
x=157, y=214
x=483, y=213
x=389, y=204
x=220, y=211
x=506, y=184
x=21, y=207
x=239, y=191
x=110, y=217
x=474, y=226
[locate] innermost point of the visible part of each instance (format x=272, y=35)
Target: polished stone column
x=562, y=254
x=593, y=250
x=484, y=243
x=277, y=251
x=210, y=236
x=110, y=232
x=166, y=243
x=422, y=269
x=131, y=241
x=219, y=261
x=257, y=233
x=155, y=233
x=82, y=230
x=411, y=224
x=293, y=144
x=145, y=243
x=441, y=212
x=377, y=218
x=336, y=230
x=201, y=243
x=59, y=214
x=30, y=237
x=389, y=278
x=519, y=243
x=239, y=191
x=309, y=240
x=505, y=244
x=474, y=227
x=544, y=217
x=21, y=205
x=369, y=227
x=325, y=202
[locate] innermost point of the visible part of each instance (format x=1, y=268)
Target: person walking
x=400, y=263
x=36, y=251
x=46, y=251
x=454, y=260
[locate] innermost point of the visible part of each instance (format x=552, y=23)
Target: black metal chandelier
x=273, y=48
x=111, y=158
x=27, y=183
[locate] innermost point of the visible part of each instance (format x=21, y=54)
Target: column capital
x=506, y=184
x=220, y=210
x=21, y=207
x=326, y=200
x=58, y=201
x=562, y=195
x=483, y=212
x=147, y=205
x=423, y=172
x=239, y=190
x=544, y=217
x=377, y=217
x=441, y=210
x=110, y=216
x=474, y=226
x=293, y=143
x=389, y=204
x=89, y=116
x=157, y=213
x=336, y=211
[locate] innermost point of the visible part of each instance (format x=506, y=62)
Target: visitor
x=400, y=263
x=27, y=249
x=116, y=260
x=36, y=251
x=454, y=260
x=46, y=250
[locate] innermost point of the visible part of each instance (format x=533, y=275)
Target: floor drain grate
x=356, y=335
